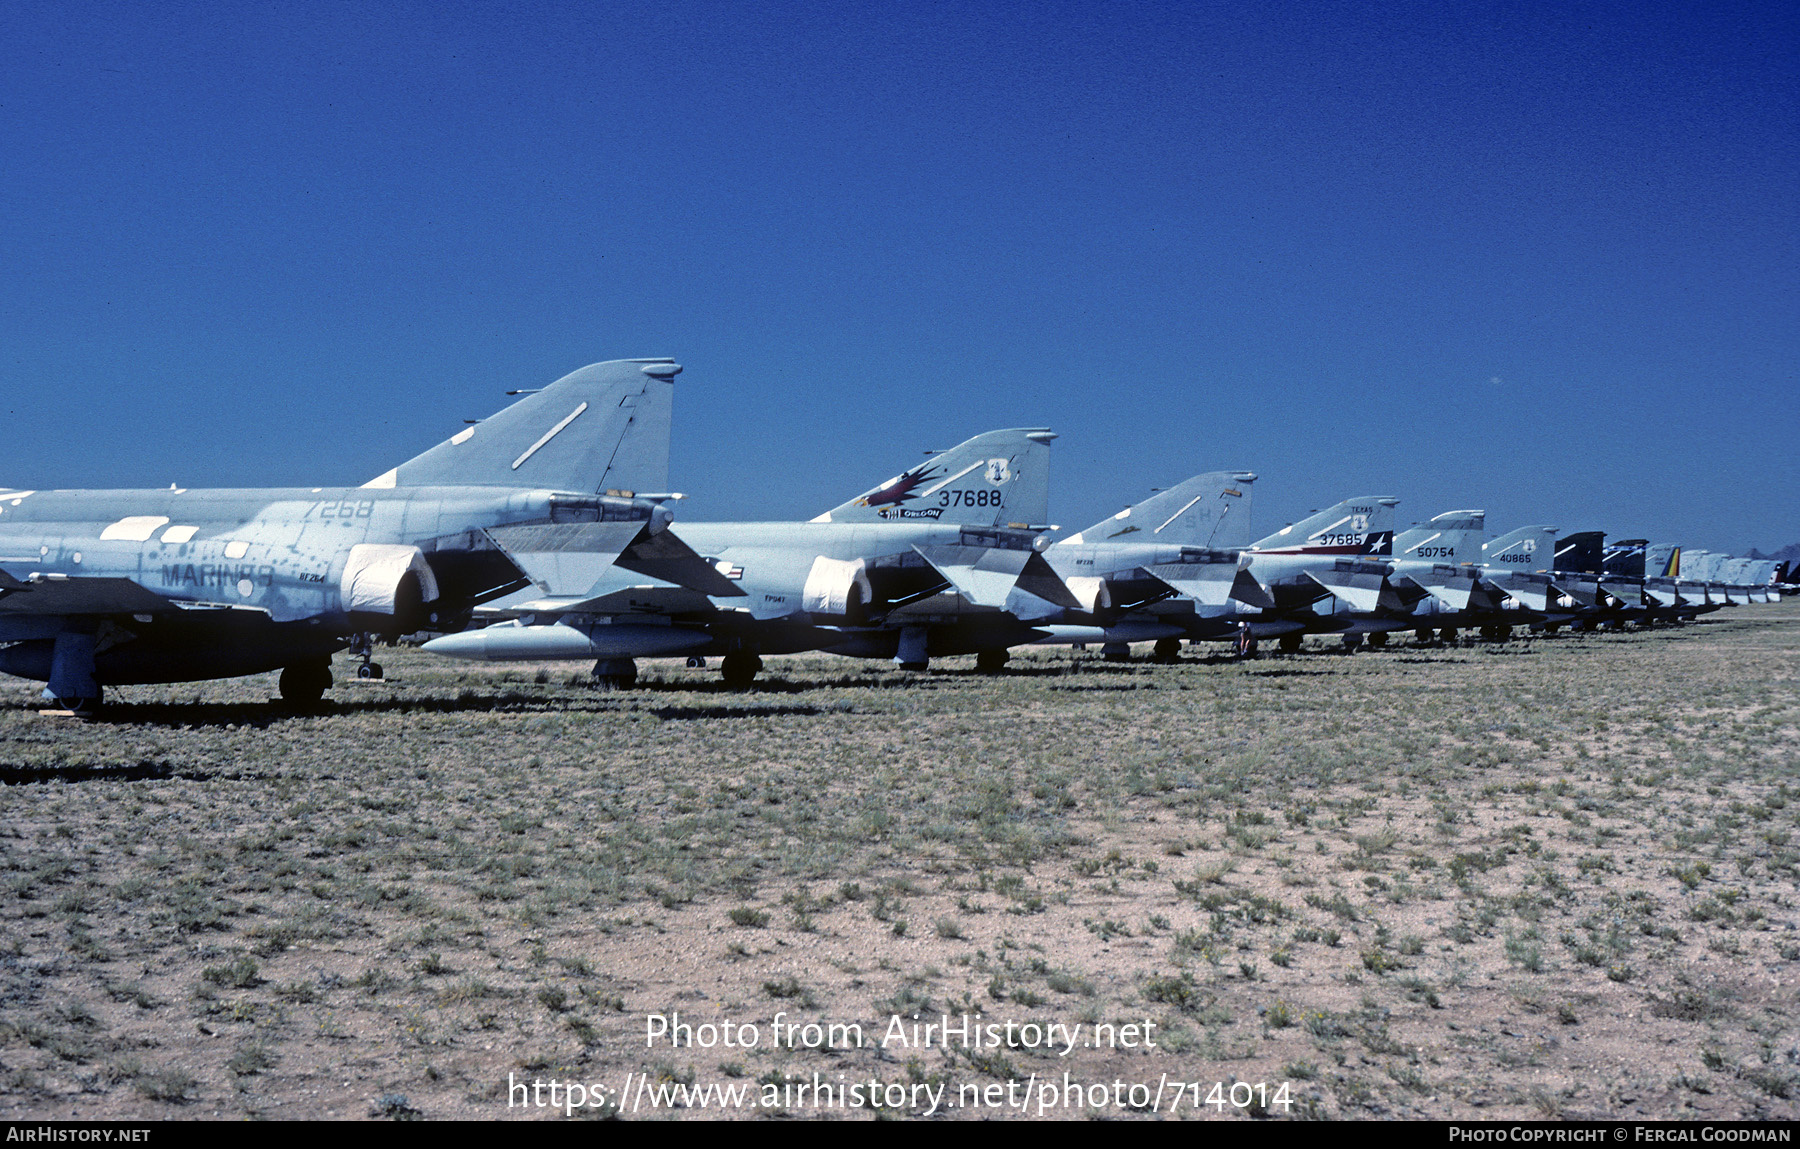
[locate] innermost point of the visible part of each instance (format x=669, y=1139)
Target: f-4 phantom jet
x=101, y=588
x=1176, y=566
x=1160, y=570
x=966, y=516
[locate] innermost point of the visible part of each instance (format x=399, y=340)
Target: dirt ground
x=1549, y=878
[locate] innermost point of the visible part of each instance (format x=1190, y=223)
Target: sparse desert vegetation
x=1554, y=877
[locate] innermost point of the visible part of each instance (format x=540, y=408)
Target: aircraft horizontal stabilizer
x=1664, y=596
x=1582, y=596
x=1452, y=590
x=1532, y=595
x=1017, y=581
x=1210, y=584
x=665, y=556
x=1361, y=591
x=1485, y=596
x=568, y=559
x=1245, y=589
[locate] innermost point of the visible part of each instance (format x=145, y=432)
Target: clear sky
x=1538, y=259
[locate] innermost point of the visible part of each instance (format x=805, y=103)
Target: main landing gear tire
x=1378, y=638
x=991, y=661
x=1166, y=650
x=369, y=670
x=615, y=673
x=1290, y=643
x=739, y=669
x=305, y=683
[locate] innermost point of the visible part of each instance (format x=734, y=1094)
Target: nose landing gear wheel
x=363, y=645
x=83, y=707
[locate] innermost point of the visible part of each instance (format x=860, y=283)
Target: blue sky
x=1535, y=259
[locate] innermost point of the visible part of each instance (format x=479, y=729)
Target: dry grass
x=1554, y=877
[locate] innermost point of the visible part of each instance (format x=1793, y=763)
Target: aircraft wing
x=1017, y=581
x=59, y=594
x=568, y=559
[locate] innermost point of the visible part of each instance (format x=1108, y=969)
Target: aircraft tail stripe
x=936, y=487
x=1179, y=513
x=1332, y=527
x=548, y=435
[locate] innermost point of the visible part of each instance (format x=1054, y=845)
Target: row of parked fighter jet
x=546, y=522
x=949, y=570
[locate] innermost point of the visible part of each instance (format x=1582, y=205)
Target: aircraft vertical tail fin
x=1625, y=559
x=604, y=427
x=1662, y=561
x=1453, y=538
x=1210, y=510
x=1580, y=553
x=992, y=480
x=1361, y=526
x=1528, y=550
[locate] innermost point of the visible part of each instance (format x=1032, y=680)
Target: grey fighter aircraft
x=1324, y=568
x=102, y=588
x=1434, y=580
x=1581, y=577
x=1196, y=576
x=1170, y=549
x=1168, y=569
x=1278, y=584
x=1521, y=563
x=967, y=516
